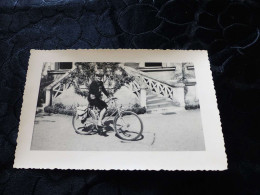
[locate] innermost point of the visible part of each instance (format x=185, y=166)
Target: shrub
x=136, y=108
x=59, y=108
x=192, y=107
x=48, y=109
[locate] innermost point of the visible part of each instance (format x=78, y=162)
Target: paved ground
x=180, y=131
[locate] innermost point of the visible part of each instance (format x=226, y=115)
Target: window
x=65, y=65
x=153, y=64
x=190, y=67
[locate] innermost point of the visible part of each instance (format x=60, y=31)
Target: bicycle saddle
x=113, y=98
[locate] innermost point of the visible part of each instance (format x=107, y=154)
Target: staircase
x=158, y=104
x=157, y=96
x=160, y=97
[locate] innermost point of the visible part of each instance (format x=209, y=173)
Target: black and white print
x=151, y=106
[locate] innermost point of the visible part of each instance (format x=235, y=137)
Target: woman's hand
x=92, y=96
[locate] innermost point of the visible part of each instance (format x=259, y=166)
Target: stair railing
x=56, y=88
x=138, y=86
x=135, y=88
x=159, y=87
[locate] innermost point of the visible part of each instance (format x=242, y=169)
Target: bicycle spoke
x=128, y=126
x=84, y=127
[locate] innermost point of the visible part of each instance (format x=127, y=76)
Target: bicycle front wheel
x=84, y=127
x=128, y=126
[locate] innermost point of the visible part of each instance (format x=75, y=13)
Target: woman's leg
x=102, y=107
x=101, y=115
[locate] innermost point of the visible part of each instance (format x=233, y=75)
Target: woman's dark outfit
x=95, y=88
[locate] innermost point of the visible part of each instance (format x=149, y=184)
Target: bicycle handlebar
x=111, y=98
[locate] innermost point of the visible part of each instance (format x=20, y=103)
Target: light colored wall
x=191, y=72
x=131, y=64
x=171, y=64
x=191, y=97
x=69, y=98
x=170, y=77
x=47, y=66
x=166, y=76
x=141, y=65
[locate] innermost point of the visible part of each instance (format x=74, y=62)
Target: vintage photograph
x=111, y=106
x=120, y=109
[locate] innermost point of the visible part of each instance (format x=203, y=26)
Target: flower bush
x=114, y=76
x=59, y=108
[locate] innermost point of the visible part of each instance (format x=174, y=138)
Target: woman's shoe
x=101, y=132
x=100, y=126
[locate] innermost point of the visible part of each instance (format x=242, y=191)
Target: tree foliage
x=114, y=76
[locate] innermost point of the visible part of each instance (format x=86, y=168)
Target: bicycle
x=127, y=124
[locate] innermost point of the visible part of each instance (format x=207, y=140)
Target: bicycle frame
x=120, y=125
x=118, y=110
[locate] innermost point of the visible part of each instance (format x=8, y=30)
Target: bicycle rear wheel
x=84, y=127
x=128, y=126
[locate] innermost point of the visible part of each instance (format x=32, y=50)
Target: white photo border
x=213, y=158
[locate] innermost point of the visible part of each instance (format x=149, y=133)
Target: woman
x=95, y=96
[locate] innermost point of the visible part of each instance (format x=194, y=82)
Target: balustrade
x=175, y=93
x=138, y=87
x=56, y=88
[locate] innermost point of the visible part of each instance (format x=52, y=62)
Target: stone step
x=157, y=100
x=164, y=110
x=151, y=96
x=160, y=105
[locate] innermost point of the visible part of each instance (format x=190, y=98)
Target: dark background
x=228, y=29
